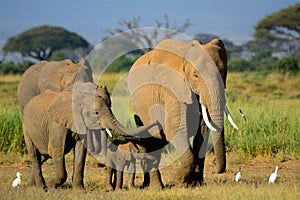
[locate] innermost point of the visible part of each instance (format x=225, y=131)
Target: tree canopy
x=281, y=29
x=40, y=42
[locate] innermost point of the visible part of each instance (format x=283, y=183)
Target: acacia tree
x=40, y=42
x=281, y=29
x=146, y=38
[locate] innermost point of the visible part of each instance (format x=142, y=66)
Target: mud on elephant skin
x=56, y=122
x=199, y=84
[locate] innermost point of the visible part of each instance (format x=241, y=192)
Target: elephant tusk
x=205, y=118
x=108, y=132
x=230, y=118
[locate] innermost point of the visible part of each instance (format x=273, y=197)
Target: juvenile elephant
x=58, y=76
x=122, y=158
x=56, y=122
x=171, y=83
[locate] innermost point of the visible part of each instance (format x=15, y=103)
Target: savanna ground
x=269, y=138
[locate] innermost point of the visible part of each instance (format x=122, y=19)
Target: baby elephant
x=122, y=158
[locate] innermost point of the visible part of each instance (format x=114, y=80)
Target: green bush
x=287, y=64
x=238, y=64
x=122, y=63
x=13, y=68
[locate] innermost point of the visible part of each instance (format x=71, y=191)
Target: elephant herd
x=177, y=92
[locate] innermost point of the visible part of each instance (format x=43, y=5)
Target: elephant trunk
x=218, y=140
x=215, y=102
x=113, y=124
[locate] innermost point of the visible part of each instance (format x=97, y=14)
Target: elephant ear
x=85, y=71
x=167, y=60
x=217, y=51
x=67, y=113
x=83, y=99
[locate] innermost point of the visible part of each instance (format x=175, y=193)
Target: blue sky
x=231, y=19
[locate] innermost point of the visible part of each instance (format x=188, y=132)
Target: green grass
x=269, y=137
x=271, y=103
x=254, y=184
x=11, y=133
x=272, y=128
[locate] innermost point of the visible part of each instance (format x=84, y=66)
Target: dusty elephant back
x=54, y=75
x=27, y=86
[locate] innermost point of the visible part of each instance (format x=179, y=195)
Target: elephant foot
x=198, y=179
x=54, y=184
x=109, y=188
x=78, y=186
x=185, y=179
x=156, y=181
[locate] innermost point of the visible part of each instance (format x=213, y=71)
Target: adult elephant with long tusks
x=169, y=84
x=56, y=122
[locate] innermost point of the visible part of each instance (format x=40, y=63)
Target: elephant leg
x=120, y=166
x=131, y=174
x=36, y=178
x=152, y=176
x=146, y=182
x=187, y=159
x=119, y=182
x=78, y=165
x=199, y=149
x=131, y=178
x=60, y=166
x=110, y=179
x=110, y=170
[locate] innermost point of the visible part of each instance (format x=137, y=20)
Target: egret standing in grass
x=17, y=181
x=237, y=177
x=273, y=176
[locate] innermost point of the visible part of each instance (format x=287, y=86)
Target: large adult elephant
x=170, y=84
x=56, y=122
x=54, y=75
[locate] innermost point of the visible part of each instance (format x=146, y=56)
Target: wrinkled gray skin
x=56, y=122
x=122, y=158
x=217, y=51
x=118, y=158
x=192, y=159
x=54, y=75
x=58, y=76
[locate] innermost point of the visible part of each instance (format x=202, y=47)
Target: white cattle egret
x=237, y=177
x=273, y=176
x=17, y=181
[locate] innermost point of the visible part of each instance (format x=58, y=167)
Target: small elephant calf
x=119, y=157
x=122, y=158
